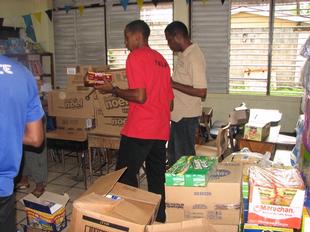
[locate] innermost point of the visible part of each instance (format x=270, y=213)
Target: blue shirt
x=19, y=105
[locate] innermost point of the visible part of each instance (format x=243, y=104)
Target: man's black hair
x=176, y=28
x=139, y=26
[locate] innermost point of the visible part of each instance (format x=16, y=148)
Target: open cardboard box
x=111, y=206
x=48, y=212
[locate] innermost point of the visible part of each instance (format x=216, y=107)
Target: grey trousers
x=7, y=214
x=35, y=164
x=182, y=139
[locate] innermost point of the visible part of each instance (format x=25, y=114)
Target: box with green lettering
x=190, y=171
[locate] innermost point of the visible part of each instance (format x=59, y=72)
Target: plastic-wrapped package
x=305, y=76
x=305, y=49
x=276, y=196
x=296, y=150
x=245, y=156
x=306, y=131
x=190, y=171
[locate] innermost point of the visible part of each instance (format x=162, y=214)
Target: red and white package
x=96, y=78
x=276, y=197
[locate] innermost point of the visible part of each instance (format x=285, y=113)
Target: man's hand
x=107, y=87
x=190, y=90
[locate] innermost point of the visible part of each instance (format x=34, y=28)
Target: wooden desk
x=97, y=139
x=70, y=140
x=262, y=146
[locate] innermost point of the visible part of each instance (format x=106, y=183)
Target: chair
x=221, y=144
x=205, y=123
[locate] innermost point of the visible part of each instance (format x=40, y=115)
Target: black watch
x=114, y=91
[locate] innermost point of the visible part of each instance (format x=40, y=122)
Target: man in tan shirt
x=189, y=86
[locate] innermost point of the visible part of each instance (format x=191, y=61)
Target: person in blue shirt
x=20, y=123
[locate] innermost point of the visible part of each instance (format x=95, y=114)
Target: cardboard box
x=48, y=212
x=74, y=123
x=257, y=131
x=258, y=228
x=244, y=157
x=27, y=228
x=119, y=78
x=190, y=171
x=111, y=206
x=202, y=150
x=82, y=69
x=194, y=225
x=66, y=103
x=211, y=202
x=76, y=83
x=112, y=106
x=108, y=125
x=276, y=197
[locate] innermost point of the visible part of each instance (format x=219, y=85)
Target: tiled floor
x=61, y=180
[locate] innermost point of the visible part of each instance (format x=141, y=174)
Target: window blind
x=210, y=29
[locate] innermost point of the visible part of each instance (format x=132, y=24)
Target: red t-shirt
x=148, y=69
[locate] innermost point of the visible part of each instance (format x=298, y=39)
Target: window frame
x=124, y=49
x=270, y=52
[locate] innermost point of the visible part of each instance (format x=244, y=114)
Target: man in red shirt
x=147, y=127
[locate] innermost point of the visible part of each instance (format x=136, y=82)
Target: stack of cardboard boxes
x=111, y=111
x=78, y=108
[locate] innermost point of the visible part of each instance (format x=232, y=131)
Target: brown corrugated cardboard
x=112, y=106
x=82, y=69
x=202, y=150
x=197, y=225
x=111, y=206
x=66, y=103
x=108, y=125
x=119, y=78
x=75, y=81
x=74, y=123
x=211, y=202
x=244, y=157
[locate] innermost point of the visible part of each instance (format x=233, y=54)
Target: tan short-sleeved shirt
x=190, y=70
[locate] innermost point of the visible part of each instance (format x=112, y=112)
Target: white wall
x=223, y=104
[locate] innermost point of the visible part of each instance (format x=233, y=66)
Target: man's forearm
x=190, y=90
x=34, y=134
x=133, y=95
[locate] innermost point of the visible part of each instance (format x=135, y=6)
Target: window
x=156, y=17
x=79, y=39
x=265, y=41
x=210, y=30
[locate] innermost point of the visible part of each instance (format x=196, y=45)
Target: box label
x=104, y=223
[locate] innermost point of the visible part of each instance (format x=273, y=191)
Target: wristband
x=114, y=91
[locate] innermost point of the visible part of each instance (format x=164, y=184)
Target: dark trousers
x=7, y=214
x=182, y=139
x=132, y=153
